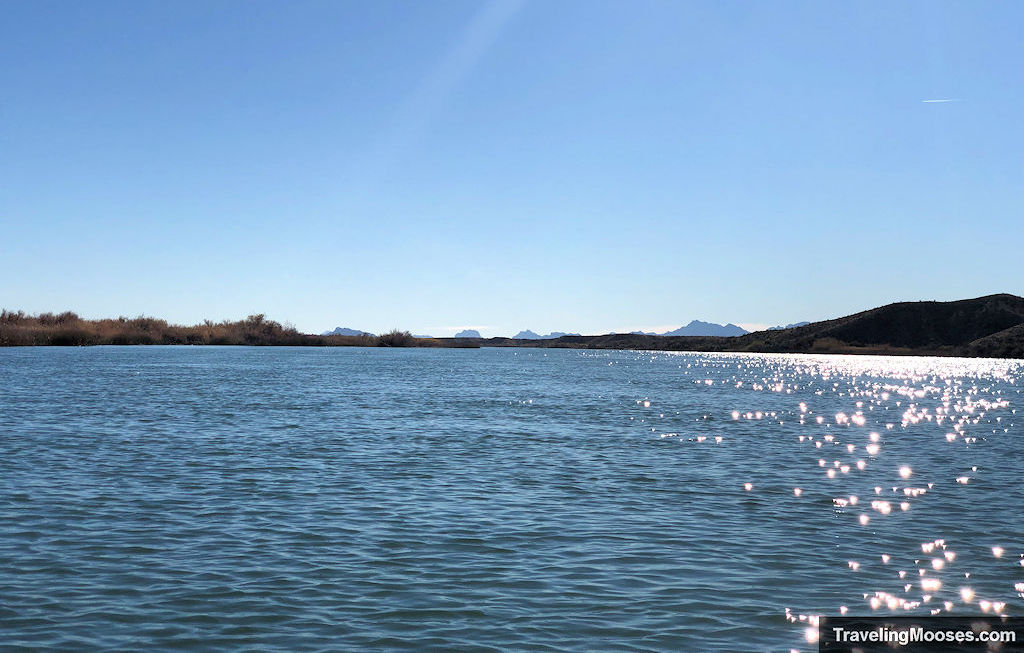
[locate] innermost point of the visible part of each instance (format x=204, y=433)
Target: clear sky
x=574, y=166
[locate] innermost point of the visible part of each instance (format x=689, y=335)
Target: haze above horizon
x=574, y=166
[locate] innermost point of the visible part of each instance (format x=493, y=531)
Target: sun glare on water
x=904, y=398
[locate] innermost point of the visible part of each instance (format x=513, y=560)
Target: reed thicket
x=68, y=329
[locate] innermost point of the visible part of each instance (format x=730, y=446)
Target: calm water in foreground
x=495, y=499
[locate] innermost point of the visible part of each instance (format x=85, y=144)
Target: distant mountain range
x=344, y=331
x=694, y=328
x=530, y=335
x=991, y=326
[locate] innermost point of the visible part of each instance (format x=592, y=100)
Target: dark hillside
x=984, y=326
x=1008, y=343
x=922, y=324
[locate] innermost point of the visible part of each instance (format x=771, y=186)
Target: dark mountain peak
x=530, y=335
x=344, y=331
x=701, y=328
x=468, y=333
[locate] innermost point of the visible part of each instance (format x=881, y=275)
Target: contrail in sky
x=433, y=90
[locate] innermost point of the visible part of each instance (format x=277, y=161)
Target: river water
x=210, y=498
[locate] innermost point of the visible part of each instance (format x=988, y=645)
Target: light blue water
x=495, y=499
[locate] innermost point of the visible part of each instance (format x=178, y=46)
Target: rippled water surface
x=495, y=499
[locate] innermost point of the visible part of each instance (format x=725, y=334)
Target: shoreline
x=983, y=327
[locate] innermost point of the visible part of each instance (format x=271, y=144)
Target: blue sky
x=574, y=166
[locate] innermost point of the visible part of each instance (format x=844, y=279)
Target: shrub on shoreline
x=396, y=338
